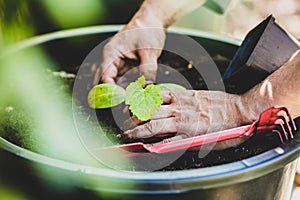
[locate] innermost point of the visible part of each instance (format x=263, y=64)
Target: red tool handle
x=267, y=121
x=201, y=140
x=186, y=143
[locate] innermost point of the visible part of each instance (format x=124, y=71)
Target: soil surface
x=189, y=159
x=172, y=69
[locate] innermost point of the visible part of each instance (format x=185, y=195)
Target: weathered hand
x=142, y=39
x=139, y=40
x=189, y=113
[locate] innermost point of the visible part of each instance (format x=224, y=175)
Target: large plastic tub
x=268, y=175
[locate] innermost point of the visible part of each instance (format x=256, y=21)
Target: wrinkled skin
x=189, y=113
x=135, y=42
x=142, y=39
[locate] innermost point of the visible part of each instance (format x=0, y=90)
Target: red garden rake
x=275, y=121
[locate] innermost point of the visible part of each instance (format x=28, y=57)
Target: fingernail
x=127, y=134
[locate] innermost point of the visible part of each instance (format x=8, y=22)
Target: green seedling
x=143, y=101
x=106, y=95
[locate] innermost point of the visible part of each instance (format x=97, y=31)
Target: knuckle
x=128, y=134
x=104, y=78
x=173, y=96
x=177, y=124
x=176, y=108
x=150, y=126
x=135, y=133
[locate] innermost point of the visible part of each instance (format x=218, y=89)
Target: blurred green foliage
x=72, y=13
x=15, y=23
x=8, y=193
x=36, y=107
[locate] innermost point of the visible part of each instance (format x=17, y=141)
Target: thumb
x=148, y=64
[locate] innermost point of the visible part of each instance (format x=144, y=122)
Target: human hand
x=139, y=40
x=189, y=113
x=142, y=39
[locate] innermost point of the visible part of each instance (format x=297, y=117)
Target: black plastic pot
x=268, y=175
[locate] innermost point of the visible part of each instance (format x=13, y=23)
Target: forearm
x=280, y=88
x=162, y=13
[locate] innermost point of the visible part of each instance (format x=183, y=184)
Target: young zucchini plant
x=143, y=101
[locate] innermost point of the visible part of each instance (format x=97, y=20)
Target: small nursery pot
x=268, y=175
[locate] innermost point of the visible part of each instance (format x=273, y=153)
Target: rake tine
x=285, y=127
x=279, y=121
x=279, y=135
x=289, y=116
x=283, y=131
x=288, y=121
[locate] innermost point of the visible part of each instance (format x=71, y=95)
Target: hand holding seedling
x=190, y=113
x=185, y=113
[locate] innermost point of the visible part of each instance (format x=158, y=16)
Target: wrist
x=147, y=17
x=237, y=111
x=251, y=105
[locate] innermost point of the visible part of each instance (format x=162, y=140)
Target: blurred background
x=21, y=76
x=34, y=17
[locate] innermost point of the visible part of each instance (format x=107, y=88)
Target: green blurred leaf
x=106, y=95
x=171, y=87
x=74, y=13
x=134, y=89
x=143, y=103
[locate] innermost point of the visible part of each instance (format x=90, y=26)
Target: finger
x=165, y=111
x=148, y=64
x=169, y=97
x=97, y=76
x=128, y=62
x=119, y=71
x=131, y=55
x=109, y=77
x=131, y=123
x=107, y=73
x=153, y=128
x=110, y=71
x=166, y=96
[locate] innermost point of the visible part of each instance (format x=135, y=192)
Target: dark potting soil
x=192, y=80
x=191, y=159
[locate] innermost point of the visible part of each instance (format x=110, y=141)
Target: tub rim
x=177, y=181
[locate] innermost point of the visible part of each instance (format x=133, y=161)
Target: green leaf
x=143, y=103
x=171, y=87
x=133, y=90
x=106, y=95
